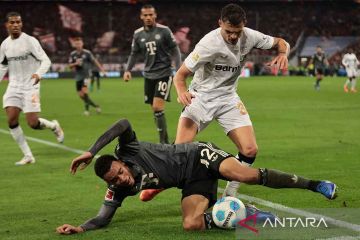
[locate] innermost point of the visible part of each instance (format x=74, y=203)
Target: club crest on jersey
x=195, y=57
x=157, y=36
x=109, y=196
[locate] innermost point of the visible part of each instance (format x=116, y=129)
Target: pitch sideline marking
x=260, y=201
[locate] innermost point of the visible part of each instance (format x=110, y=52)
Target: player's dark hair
x=103, y=164
x=12, y=14
x=147, y=6
x=234, y=14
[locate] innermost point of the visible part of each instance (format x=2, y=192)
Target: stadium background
x=315, y=134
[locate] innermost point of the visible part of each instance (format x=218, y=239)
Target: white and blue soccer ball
x=228, y=211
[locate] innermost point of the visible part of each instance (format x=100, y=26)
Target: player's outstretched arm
x=184, y=97
x=102, y=219
x=81, y=161
x=68, y=229
x=121, y=129
x=283, y=48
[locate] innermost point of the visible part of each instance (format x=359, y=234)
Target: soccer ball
x=228, y=211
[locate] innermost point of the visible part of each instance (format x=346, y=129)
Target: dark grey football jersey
x=87, y=60
x=319, y=60
x=155, y=45
x=153, y=166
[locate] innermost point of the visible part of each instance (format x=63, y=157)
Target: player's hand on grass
x=81, y=161
x=280, y=61
x=68, y=229
x=185, y=98
x=127, y=76
x=36, y=78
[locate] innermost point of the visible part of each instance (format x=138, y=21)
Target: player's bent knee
x=250, y=151
x=191, y=224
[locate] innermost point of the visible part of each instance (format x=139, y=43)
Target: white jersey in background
x=23, y=57
x=350, y=61
x=217, y=64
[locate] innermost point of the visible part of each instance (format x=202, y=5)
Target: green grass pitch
x=314, y=134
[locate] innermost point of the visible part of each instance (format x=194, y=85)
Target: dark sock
x=88, y=100
x=245, y=159
x=14, y=126
x=317, y=82
x=160, y=122
x=277, y=179
x=209, y=222
x=38, y=126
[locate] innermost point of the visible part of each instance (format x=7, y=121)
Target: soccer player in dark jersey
x=156, y=43
x=320, y=63
x=82, y=60
x=193, y=167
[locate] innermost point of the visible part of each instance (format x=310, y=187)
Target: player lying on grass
x=193, y=167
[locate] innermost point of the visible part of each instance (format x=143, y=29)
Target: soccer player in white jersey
x=216, y=62
x=351, y=63
x=23, y=58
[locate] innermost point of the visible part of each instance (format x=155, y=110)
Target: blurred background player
x=141, y=165
x=158, y=46
x=350, y=63
x=95, y=76
x=82, y=60
x=320, y=63
x=217, y=61
x=22, y=56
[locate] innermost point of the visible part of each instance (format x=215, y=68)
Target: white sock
x=347, y=82
x=46, y=124
x=233, y=186
x=353, y=84
x=18, y=135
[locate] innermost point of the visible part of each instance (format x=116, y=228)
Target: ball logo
x=228, y=218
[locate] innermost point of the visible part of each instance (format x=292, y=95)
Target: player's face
x=14, y=26
x=231, y=33
x=78, y=44
x=119, y=175
x=148, y=16
x=318, y=50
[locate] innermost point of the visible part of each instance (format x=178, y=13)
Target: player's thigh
x=232, y=169
x=13, y=101
x=12, y=114
x=32, y=101
x=149, y=90
x=244, y=139
x=186, y=130
x=199, y=112
x=351, y=73
x=162, y=88
x=235, y=120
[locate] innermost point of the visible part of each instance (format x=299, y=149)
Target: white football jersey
x=23, y=57
x=217, y=64
x=350, y=61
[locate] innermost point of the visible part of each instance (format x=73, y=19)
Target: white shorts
x=27, y=100
x=351, y=72
x=229, y=112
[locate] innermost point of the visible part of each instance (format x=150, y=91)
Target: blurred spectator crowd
x=107, y=27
